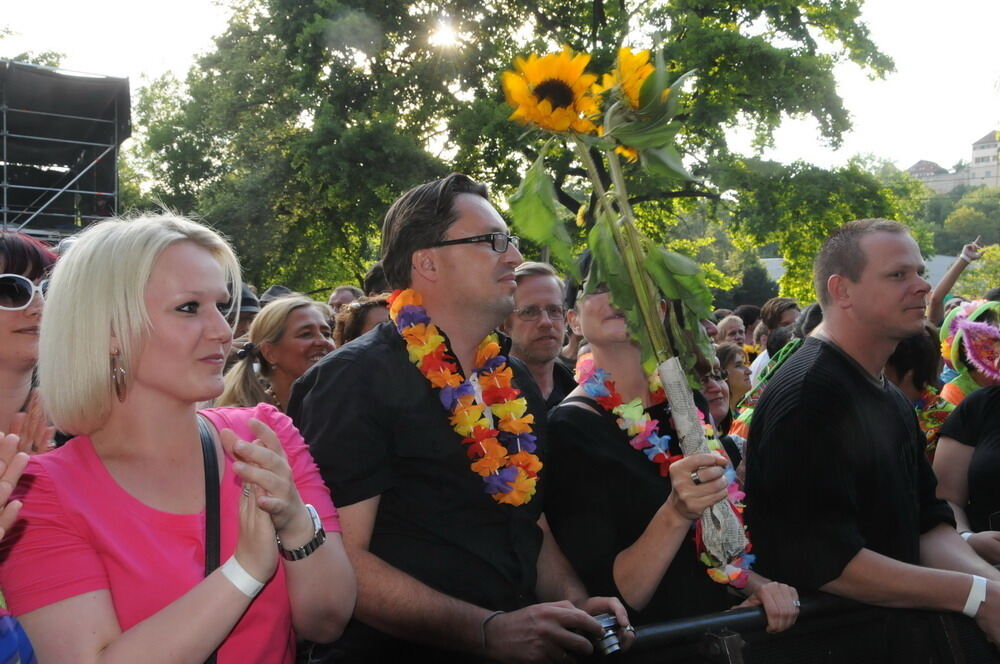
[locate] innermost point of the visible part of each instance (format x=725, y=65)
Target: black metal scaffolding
x=59, y=140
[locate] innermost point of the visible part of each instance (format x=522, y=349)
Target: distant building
x=983, y=168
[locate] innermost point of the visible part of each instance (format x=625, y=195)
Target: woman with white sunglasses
x=24, y=262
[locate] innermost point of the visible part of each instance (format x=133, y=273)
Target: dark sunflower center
x=557, y=92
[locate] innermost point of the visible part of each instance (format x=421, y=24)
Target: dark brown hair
x=24, y=255
x=841, y=253
x=726, y=351
x=419, y=219
x=351, y=318
x=774, y=309
x=920, y=354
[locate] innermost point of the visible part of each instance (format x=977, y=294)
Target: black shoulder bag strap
x=211, y=501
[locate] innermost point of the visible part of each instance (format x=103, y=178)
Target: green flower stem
x=634, y=260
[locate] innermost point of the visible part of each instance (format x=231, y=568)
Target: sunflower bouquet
x=628, y=113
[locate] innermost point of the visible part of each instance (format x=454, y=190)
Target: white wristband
x=977, y=595
x=241, y=578
x=964, y=257
x=966, y=535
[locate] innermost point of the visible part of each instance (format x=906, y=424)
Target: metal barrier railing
x=829, y=630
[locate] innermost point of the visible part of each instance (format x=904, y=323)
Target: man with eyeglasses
x=452, y=553
x=537, y=329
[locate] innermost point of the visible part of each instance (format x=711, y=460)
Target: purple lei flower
x=524, y=442
x=411, y=314
x=449, y=395
x=502, y=481
x=491, y=364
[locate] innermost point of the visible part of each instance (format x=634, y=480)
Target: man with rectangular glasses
x=430, y=437
x=537, y=329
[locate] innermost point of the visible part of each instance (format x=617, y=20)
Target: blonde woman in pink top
x=108, y=561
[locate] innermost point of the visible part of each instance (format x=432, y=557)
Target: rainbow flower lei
x=486, y=410
x=633, y=420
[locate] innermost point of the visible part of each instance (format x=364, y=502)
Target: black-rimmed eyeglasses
x=719, y=377
x=534, y=312
x=499, y=241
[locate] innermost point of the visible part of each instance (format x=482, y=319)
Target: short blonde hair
x=736, y=321
x=96, y=293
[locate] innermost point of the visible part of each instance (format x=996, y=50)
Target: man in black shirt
x=537, y=329
x=438, y=559
x=839, y=494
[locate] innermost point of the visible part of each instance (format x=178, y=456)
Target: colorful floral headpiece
x=952, y=331
x=982, y=346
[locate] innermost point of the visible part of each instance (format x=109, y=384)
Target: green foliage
x=798, y=205
x=131, y=198
x=972, y=212
x=536, y=212
x=43, y=58
x=980, y=277
x=310, y=116
x=755, y=287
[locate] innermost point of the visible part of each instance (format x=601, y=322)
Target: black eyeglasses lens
x=14, y=292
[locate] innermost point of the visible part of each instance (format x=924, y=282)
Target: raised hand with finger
x=33, y=428
x=263, y=463
x=255, y=549
x=12, y=463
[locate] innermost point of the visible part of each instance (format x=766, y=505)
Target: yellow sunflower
x=632, y=71
x=553, y=92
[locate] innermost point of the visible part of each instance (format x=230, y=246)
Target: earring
x=118, y=376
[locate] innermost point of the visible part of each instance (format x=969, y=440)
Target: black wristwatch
x=319, y=536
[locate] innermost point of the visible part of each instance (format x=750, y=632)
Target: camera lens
x=608, y=643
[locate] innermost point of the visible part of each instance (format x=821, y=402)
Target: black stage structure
x=60, y=133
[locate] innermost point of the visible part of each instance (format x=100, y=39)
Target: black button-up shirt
x=376, y=427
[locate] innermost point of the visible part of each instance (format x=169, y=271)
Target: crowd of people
x=437, y=465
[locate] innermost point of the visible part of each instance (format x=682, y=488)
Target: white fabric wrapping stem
x=721, y=530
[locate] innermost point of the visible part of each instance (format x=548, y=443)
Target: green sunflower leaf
x=665, y=162
x=537, y=215
x=675, y=93
x=608, y=268
x=646, y=135
x=681, y=281
x=679, y=278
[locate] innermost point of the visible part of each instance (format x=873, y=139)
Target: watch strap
x=319, y=536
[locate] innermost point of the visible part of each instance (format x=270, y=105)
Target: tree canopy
x=310, y=116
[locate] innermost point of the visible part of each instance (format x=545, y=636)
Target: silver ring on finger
x=246, y=490
x=796, y=603
x=695, y=478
